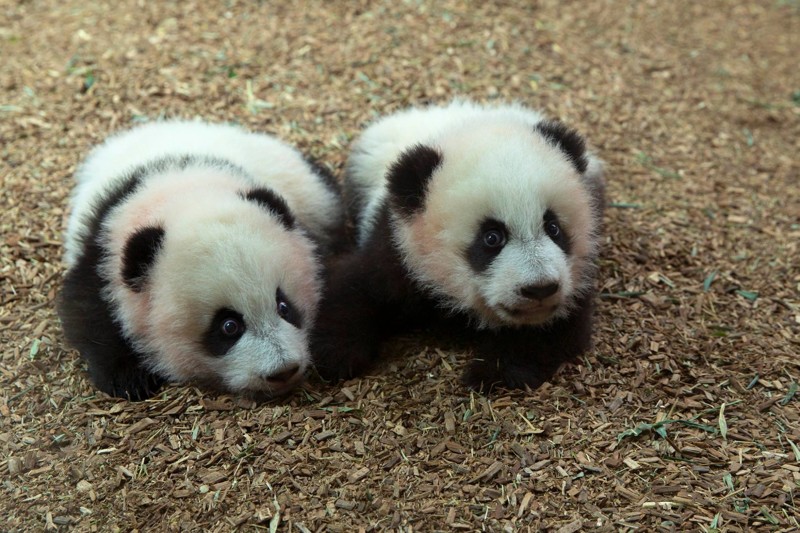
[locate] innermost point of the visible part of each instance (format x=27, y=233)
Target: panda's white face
x=505, y=232
x=240, y=303
x=523, y=268
x=230, y=297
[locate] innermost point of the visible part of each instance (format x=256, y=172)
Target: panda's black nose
x=539, y=292
x=284, y=375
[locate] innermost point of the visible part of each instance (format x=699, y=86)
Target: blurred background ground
x=685, y=415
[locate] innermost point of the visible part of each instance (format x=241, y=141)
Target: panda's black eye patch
x=286, y=310
x=273, y=203
x=553, y=228
x=489, y=241
x=225, y=330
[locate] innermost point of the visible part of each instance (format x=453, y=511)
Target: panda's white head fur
x=214, y=280
x=497, y=218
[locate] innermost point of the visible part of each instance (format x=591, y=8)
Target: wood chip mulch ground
x=683, y=418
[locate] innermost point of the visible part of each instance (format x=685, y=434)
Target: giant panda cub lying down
x=192, y=254
x=487, y=217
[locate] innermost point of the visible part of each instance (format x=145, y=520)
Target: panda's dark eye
x=552, y=228
x=283, y=310
x=494, y=238
x=231, y=327
x=286, y=310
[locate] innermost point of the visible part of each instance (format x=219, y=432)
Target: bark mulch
x=683, y=417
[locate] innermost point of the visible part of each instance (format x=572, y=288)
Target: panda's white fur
x=493, y=164
x=219, y=251
x=266, y=159
x=384, y=140
x=489, y=213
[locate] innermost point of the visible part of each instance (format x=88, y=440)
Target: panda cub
x=487, y=217
x=193, y=254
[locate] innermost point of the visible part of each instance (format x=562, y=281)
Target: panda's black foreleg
x=526, y=357
x=122, y=378
x=495, y=368
x=344, y=342
x=351, y=320
x=364, y=293
x=114, y=367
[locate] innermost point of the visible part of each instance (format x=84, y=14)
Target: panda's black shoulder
x=115, y=367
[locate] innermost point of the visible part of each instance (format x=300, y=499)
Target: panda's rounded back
x=267, y=159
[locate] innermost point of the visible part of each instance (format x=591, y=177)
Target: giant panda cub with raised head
x=193, y=254
x=486, y=216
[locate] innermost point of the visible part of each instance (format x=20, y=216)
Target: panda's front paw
x=482, y=377
x=335, y=362
x=486, y=375
x=131, y=383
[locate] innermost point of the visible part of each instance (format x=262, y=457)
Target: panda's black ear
x=565, y=139
x=409, y=176
x=272, y=202
x=139, y=254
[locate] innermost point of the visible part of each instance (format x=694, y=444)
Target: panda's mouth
x=527, y=314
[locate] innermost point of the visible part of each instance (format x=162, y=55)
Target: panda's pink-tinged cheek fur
x=418, y=228
x=139, y=313
x=424, y=232
x=134, y=307
x=309, y=287
x=173, y=333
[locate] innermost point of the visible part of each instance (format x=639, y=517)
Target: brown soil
x=685, y=415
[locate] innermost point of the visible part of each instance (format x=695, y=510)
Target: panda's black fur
x=383, y=287
x=114, y=365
